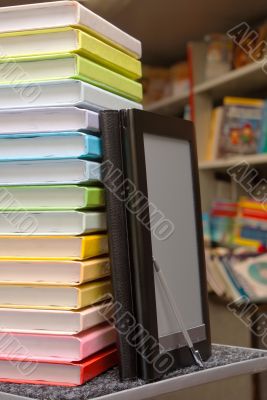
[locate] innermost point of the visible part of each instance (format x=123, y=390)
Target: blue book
x=43, y=146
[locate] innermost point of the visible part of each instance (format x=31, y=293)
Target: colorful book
x=53, y=247
x=63, y=13
x=49, y=172
x=242, y=127
x=251, y=274
x=53, y=272
x=65, y=92
x=52, y=223
x=48, y=119
x=49, y=198
x=58, y=373
x=59, y=347
x=214, y=135
x=54, y=322
x=65, y=66
x=54, y=297
x=69, y=40
x=49, y=146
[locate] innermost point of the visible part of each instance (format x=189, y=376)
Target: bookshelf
x=249, y=80
x=170, y=105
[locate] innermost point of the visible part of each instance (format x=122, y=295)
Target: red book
x=57, y=373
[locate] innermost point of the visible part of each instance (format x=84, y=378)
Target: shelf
x=225, y=362
x=238, y=82
x=170, y=105
x=254, y=159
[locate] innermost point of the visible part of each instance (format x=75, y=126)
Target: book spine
x=118, y=238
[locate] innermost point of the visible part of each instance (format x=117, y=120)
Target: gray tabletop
x=226, y=362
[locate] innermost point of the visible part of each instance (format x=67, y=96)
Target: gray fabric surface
x=109, y=382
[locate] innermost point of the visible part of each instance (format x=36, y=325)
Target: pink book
x=56, y=347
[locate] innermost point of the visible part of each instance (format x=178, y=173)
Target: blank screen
x=170, y=189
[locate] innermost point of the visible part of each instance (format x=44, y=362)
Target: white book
x=63, y=93
x=64, y=13
x=44, y=119
x=51, y=223
x=55, y=322
x=48, y=172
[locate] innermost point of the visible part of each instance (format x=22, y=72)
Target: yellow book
x=67, y=66
x=53, y=247
x=253, y=244
x=246, y=203
x=68, y=40
x=53, y=272
x=243, y=101
x=54, y=297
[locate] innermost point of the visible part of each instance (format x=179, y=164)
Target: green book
x=50, y=198
x=66, y=66
x=70, y=40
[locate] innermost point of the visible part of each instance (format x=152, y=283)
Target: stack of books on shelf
x=60, y=65
x=238, y=127
x=236, y=249
x=237, y=276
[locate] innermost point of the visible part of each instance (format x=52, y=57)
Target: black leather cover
x=118, y=239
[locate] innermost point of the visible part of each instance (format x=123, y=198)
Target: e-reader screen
x=174, y=239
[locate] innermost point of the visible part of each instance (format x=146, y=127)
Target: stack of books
x=60, y=64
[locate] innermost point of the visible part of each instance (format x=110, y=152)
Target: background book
x=236, y=128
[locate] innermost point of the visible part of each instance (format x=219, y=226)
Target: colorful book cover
x=67, y=39
x=58, y=373
x=53, y=247
x=54, y=297
x=41, y=146
x=53, y=272
x=51, y=198
x=59, y=347
x=242, y=127
x=252, y=275
x=65, y=66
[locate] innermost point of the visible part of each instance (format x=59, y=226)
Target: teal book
x=41, y=146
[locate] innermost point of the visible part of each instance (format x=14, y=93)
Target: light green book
x=69, y=40
x=50, y=198
x=67, y=66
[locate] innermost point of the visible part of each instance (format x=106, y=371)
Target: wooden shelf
x=235, y=83
x=170, y=105
x=255, y=159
